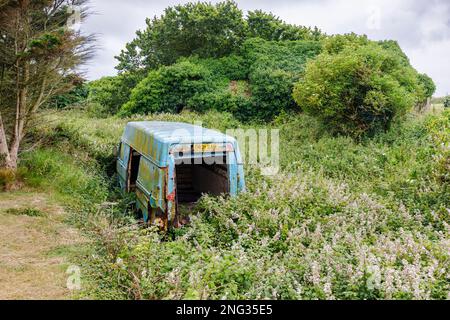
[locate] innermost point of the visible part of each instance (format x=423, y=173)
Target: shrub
x=76, y=96
x=447, y=102
x=232, y=98
x=271, y=92
x=428, y=85
x=108, y=94
x=232, y=67
x=358, y=90
x=337, y=43
x=7, y=178
x=168, y=89
x=274, y=67
x=285, y=55
x=266, y=26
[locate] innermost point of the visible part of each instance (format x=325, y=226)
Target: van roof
x=173, y=132
x=154, y=138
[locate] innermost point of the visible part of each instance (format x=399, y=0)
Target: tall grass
x=343, y=220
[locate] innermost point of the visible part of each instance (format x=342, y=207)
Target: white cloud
x=421, y=27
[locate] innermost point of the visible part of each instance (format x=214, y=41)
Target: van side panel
x=240, y=178
x=232, y=173
x=240, y=169
x=151, y=182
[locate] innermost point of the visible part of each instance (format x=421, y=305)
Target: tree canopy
x=206, y=30
x=39, y=56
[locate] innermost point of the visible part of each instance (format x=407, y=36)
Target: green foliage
x=318, y=230
x=271, y=92
x=168, y=89
x=254, y=85
x=428, y=85
x=70, y=176
x=206, y=30
x=447, y=102
x=108, y=94
x=76, y=96
x=232, y=98
x=269, y=69
x=30, y=212
x=45, y=45
x=286, y=55
x=200, y=28
x=274, y=67
x=232, y=67
x=266, y=26
x=337, y=43
x=358, y=90
x=439, y=128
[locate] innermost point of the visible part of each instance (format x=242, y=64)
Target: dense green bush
x=337, y=43
x=286, y=55
x=358, y=90
x=253, y=85
x=266, y=26
x=108, y=94
x=271, y=92
x=232, y=98
x=232, y=67
x=76, y=96
x=447, y=102
x=168, y=89
x=274, y=67
x=428, y=85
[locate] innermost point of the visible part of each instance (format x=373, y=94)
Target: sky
x=421, y=27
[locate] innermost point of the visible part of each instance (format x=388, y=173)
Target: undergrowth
x=343, y=219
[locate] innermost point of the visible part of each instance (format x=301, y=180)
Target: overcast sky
x=421, y=27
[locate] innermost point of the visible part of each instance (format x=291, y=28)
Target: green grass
x=30, y=212
x=343, y=219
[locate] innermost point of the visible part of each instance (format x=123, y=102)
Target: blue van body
x=169, y=163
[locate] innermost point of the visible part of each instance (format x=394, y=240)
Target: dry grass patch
x=31, y=228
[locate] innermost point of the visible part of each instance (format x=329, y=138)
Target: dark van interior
x=134, y=169
x=193, y=179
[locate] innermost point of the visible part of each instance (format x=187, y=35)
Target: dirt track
x=34, y=247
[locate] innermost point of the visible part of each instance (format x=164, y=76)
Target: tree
x=109, y=94
x=168, y=89
x=428, y=84
x=358, y=90
x=267, y=26
x=203, y=29
x=76, y=96
x=39, y=56
x=447, y=102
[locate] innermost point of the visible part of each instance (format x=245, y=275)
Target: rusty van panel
x=152, y=179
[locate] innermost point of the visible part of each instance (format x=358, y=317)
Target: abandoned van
x=169, y=164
